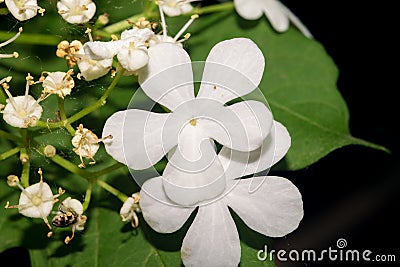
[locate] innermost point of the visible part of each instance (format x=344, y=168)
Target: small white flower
x=131, y=49
x=58, y=83
x=86, y=144
x=129, y=209
x=14, y=54
x=24, y=9
x=35, y=201
x=194, y=172
x=175, y=8
x=70, y=213
x=270, y=205
x=21, y=111
x=74, y=53
x=76, y=11
x=277, y=13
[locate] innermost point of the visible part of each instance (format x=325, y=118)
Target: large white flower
x=270, y=205
x=277, y=13
x=131, y=50
x=187, y=134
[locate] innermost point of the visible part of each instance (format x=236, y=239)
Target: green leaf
x=299, y=84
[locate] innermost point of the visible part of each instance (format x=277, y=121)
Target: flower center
x=193, y=122
x=36, y=201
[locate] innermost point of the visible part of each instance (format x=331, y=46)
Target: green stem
x=88, y=196
x=9, y=153
x=10, y=136
x=212, y=8
x=71, y=167
x=32, y=38
x=109, y=169
x=112, y=190
x=96, y=105
x=63, y=116
x=26, y=166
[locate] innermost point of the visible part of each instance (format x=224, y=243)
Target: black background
x=353, y=193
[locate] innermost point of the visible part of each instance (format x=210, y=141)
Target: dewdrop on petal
x=76, y=11
x=70, y=214
x=12, y=39
x=59, y=83
x=129, y=209
x=24, y=9
x=21, y=111
x=86, y=144
x=35, y=201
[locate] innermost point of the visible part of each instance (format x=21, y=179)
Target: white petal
x=276, y=15
x=168, y=77
x=140, y=138
x=233, y=69
x=296, y=21
x=132, y=59
x=158, y=210
x=41, y=190
x=137, y=35
x=101, y=50
x=74, y=204
x=94, y=69
x=76, y=12
x=19, y=12
x=193, y=173
x=275, y=209
x=212, y=239
x=238, y=164
x=242, y=126
x=249, y=9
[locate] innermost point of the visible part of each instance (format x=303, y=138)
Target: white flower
x=58, y=83
x=76, y=11
x=35, y=201
x=270, y=205
x=131, y=50
x=91, y=69
x=86, y=144
x=277, y=13
x=74, y=53
x=15, y=54
x=24, y=9
x=175, y=8
x=70, y=213
x=187, y=134
x=21, y=111
x=129, y=209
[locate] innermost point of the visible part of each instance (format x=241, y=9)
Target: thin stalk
x=109, y=169
x=26, y=167
x=212, y=9
x=88, y=196
x=9, y=153
x=112, y=190
x=63, y=116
